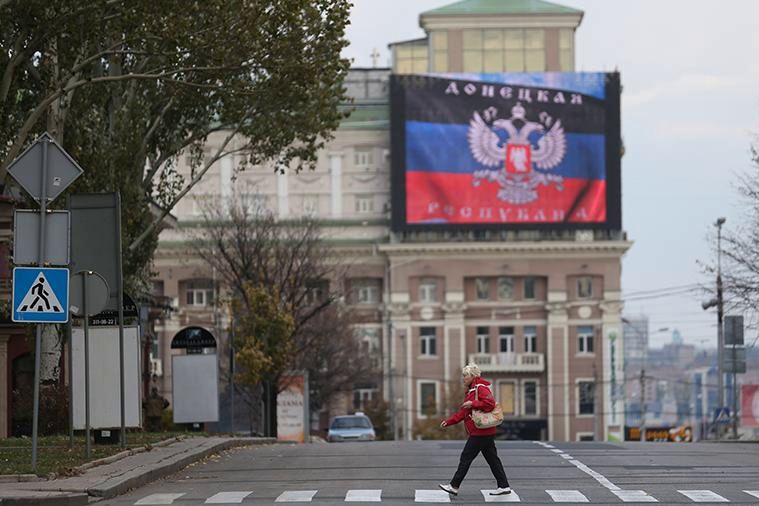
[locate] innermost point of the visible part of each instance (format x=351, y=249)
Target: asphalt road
x=408, y=472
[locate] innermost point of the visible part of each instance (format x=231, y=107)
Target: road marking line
x=597, y=476
x=363, y=496
x=634, y=496
x=512, y=497
x=296, y=496
x=159, y=499
x=556, y=450
x=566, y=456
x=431, y=496
x=702, y=496
x=228, y=497
x=755, y=493
x=567, y=496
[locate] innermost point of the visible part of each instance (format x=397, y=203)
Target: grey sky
x=690, y=111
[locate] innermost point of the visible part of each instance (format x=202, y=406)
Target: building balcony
x=509, y=362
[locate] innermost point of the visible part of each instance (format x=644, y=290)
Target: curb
x=128, y=453
x=60, y=499
x=161, y=471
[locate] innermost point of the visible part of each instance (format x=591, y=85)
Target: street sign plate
x=40, y=295
x=97, y=293
x=733, y=329
x=27, y=169
x=26, y=237
x=734, y=359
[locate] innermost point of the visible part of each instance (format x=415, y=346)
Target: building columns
x=613, y=367
x=557, y=360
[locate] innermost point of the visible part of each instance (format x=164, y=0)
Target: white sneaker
x=449, y=488
x=501, y=491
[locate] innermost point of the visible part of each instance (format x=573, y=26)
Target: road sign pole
x=70, y=368
x=38, y=339
x=120, y=276
x=88, y=448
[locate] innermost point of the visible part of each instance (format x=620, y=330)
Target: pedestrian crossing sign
x=40, y=295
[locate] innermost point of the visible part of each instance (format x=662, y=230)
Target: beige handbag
x=486, y=419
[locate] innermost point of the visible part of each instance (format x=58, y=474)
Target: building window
x=363, y=157
x=369, y=341
x=585, y=339
x=506, y=393
x=483, y=340
x=534, y=50
x=428, y=291
x=530, y=397
x=482, y=288
x=199, y=293
x=427, y=398
x=566, y=52
x=505, y=288
x=316, y=291
x=529, y=288
x=439, y=46
x=530, y=339
x=506, y=339
x=157, y=287
x=366, y=291
x=428, y=341
x=584, y=287
x=362, y=396
x=364, y=204
x=509, y=50
x=586, y=397
x=412, y=58
x=310, y=205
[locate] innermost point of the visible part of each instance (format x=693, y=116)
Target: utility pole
x=642, y=404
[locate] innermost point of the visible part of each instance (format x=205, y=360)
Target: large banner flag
x=514, y=150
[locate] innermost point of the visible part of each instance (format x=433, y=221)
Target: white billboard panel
x=105, y=402
x=195, y=388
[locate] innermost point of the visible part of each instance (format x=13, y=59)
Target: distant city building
x=635, y=329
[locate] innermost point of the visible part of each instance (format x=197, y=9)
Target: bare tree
x=247, y=246
x=740, y=250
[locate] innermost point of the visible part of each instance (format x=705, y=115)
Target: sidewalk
x=114, y=478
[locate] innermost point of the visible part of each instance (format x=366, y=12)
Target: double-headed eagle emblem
x=521, y=145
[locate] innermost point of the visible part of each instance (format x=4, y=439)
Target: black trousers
x=475, y=445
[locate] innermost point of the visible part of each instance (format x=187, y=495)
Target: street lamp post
x=720, y=314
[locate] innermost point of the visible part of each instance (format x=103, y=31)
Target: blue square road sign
x=40, y=295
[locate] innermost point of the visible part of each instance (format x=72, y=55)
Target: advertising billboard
x=506, y=151
x=750, y=406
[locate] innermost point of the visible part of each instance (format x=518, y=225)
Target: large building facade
x=538, y=310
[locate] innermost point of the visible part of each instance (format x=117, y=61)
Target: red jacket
x=484, y=402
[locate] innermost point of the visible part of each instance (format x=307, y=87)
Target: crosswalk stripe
x=363, y=496
x=228, y=497
x=512, y=497
x=634, y=496
x=296, y=496
x=431, y=496
x=567, y=496
x=755, y=493
x=702, y=496
x=159, y=499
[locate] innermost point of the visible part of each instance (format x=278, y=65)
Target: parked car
x=356, y=427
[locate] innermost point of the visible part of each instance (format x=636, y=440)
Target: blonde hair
x=471, y=369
